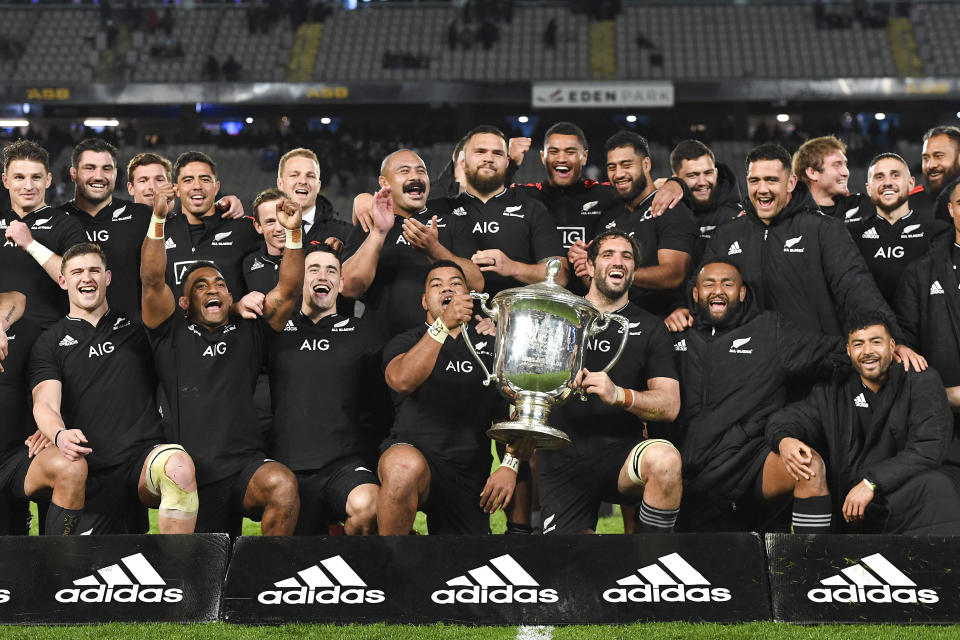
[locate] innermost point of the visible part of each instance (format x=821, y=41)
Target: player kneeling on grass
x=437, y=456
x=208, y=361
x=94, y=398
x=605, y=462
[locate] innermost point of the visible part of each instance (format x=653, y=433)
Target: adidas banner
x=123, y=578
x=834, y=578
x=497, y=579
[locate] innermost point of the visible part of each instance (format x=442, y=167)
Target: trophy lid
x=549, y=290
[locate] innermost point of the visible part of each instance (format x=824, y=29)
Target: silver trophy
x=542, y=330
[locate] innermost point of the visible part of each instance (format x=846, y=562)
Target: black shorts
x=323, y=493
x=14, y=506
x=112, y=503
x=573, y=486
x=221, y=502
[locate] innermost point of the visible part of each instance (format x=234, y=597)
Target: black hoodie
x=724, y=206
x=722, y=417
x=803, y=264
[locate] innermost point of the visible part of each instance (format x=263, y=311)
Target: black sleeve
x=401, y=344
x=677, y=230
x=546, y=241
x=68, y=232
x=852, y=286
x=356, y=238
x=800, y=420
x=908, y=302
x=43, y=359
x=661, y=358
x=929, y=432
x=339, y=229
x=805, y=352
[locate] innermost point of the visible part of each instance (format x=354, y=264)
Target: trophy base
x=546, y=437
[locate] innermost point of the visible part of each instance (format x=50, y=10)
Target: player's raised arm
x=157, y=301
x=280, y=300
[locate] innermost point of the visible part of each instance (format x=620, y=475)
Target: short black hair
x=199, y=264
x=82, y=249
x=322, y=247
x=948, y=130
x=628, y=139
x=769, y=151
x=594, y=249
x=862, y=319
x=565, y=129
x=719, y=260
x=187, y=157
x=98, y=145
x=485, y=128
x=440, y=264
x=887, y=155
x=689, y=150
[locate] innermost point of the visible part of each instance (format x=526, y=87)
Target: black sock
x=518, y=529
x=61, y=521
x=812, y=515
x=653, y=520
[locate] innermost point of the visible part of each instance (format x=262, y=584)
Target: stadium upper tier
x=437, y=42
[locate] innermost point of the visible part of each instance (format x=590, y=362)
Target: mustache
x=415, y=184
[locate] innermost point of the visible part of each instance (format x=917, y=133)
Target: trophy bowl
x=542, y=331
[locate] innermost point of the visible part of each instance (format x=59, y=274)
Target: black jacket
x=723, y=207
x=803, y=264
x=722, y=419
x=327, y=224
x=909, y=429
x=928, y=309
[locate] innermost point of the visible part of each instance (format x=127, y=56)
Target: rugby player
x=208, y=363
x=940, y=163
x=714, y=194
x=437, y=456
x=94, y=398
x=40, y=473
x=821, y=164
x=888, y=436
x=298, y=174
x=35, y=235
x=261, y=267
x=321, y=431
x=610, y=458
x=146, y=171
x=116, y=225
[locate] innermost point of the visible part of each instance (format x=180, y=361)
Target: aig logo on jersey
x=572, y=234
x=500, y=581
x=874, y=580
x=216, y=349
x=670, y=579
x=135, y=581
x=335, y=583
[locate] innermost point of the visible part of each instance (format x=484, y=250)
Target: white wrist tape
x=39, y=252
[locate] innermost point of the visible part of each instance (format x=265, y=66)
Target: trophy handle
x=482, y=297
x=626, y=334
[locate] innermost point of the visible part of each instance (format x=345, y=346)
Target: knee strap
x=636, y=458
x=172, y=497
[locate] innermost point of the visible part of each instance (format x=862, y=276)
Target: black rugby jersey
x=109, y=386
x=575, y=209
x=17, y=421
x=220, y=241
x=261, y=271
x=119, y=229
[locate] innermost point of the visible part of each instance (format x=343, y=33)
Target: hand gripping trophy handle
x=602, y=325
x=483, y=297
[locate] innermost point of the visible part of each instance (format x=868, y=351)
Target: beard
x=948, y=177
x=484, y=185
x=732, y=305
x=92, y=197
x=892, y=207
x=611, y=291
x=637, y=187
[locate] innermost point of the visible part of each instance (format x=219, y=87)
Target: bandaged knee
x=175, y=501
x=636, y=459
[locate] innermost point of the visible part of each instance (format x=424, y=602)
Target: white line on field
x=534, y=632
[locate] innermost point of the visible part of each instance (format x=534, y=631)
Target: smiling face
x=871, y=352
x=300, y=177
x=27, y=181
x=769, y=185
x=832, y=179
x=406, y=175
x=443, y=283
x=940, y=163
x=485, y=162
x=266, y=224
x=563, y=157
x=85, y=279
x=95, y=176
x=321, y=283
x=700, y=176
x=614, y=268
x=206, y=298
x=719, y=290
x=889, y=184
x=198, y=187
x=628, y=172
x=144, y=180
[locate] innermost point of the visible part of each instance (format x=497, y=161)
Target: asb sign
x=567, y=95
x=608, y=579
x=124, y=578
x=870, y=579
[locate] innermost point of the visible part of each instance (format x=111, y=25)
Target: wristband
x=57, y=437
x=510, y=462
x=438, y=331
x=155, y=230
x=624, y=398
x=871, y=485
x=39, y=252
x=294, y=239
